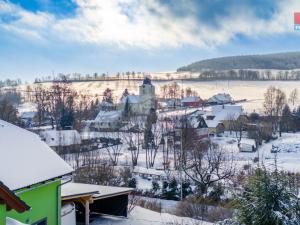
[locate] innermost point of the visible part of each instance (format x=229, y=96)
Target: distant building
x=225, y=114
x=215, y=127
x=195, y=121
x=220, y=98
x=62, y=141
x=107, y=121
x=247, y=145
x=142, y=103
x=192, y=101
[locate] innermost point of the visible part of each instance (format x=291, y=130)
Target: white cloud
x=144, y=24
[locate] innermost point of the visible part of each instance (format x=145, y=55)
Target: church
x=142, y=103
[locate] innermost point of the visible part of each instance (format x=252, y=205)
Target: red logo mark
x=297, y=18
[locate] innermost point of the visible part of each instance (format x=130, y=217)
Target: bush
x=216, y=193
x=154, y=205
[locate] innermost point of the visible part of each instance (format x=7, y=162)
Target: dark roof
x=11, y=200
x=147, y=80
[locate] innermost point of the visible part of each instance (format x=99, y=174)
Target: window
x=41, y=222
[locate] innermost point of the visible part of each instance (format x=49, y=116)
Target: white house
x=62, y=139
x=142, y=103
x=220, y=98
x=107, y=120
x=223, y=114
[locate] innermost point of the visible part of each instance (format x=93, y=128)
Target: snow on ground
x=288, y=156
x=141, y=216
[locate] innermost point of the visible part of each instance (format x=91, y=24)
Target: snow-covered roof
x=26, y=159
x=61, y=137
x=105, y=104
x=133, y=99
x=196, y=119
x=27, y=107
x=28, y=115
x=221, y=98
x=247, y=141
x=107, y=116
x=212, y=123
x=225, y=112
x=191, y=99
x=176, y=112
x=96, y=191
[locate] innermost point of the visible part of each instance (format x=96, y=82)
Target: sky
x=45, y=37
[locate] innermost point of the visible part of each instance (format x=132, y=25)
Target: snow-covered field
x=253, y=91
x=141, y=216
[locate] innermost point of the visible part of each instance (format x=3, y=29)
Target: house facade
x=33, y=172
x=192, y=101
x=107, y=121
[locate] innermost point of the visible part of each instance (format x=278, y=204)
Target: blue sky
x=39, y=37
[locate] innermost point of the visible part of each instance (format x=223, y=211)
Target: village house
x=215, y=127
x=31, y=177
x=219, y=99
x=225, y=114
x=192, y=101
x=142, y=103
x=62, y=141
x=107, y=121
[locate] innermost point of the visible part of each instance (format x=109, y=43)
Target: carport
x=96, y=199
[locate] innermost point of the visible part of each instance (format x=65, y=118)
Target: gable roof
x=225, y=112
x=11, y=200
x=108, y=116
x=132, y=99
x=28, y=160
x=221, y=98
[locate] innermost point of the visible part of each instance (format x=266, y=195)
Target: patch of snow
x=141, y=216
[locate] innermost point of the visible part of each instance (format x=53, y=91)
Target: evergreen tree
x=269, y=199
x=173, y=191
x=186, y=188
x=126, y=111
x=132, y=182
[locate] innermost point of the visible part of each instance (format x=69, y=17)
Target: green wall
x=44, y=202
x=2, y=214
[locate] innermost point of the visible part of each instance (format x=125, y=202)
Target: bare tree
x=293, y=98
x=239, y=125
x=274, y=102
x=207, y=164
x=152, y=143
x=114, y=147
x=134, y=138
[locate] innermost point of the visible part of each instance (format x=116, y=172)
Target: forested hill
x=280, y=61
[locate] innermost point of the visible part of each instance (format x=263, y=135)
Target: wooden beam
x=87, y=212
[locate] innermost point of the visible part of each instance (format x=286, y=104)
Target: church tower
x=147, y=89
x=147, y=96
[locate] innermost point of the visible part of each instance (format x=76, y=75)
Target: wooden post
x=87, y=212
